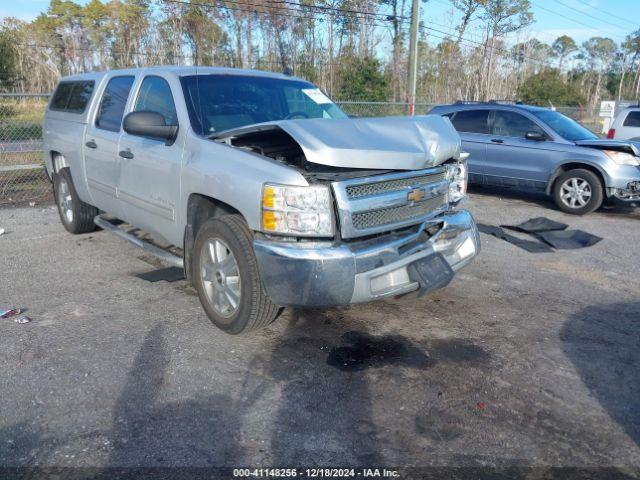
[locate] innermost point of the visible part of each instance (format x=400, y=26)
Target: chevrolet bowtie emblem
x=416, y=195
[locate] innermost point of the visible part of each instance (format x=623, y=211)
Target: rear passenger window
x=471, y=121
x=632, y=120
x=80, y=96
x=114, y=99
x=72, y=97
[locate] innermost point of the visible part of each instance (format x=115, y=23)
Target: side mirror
x=149, y=124
x=535, y=136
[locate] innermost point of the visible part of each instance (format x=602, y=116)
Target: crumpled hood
x=626, y=146
x=397, y=143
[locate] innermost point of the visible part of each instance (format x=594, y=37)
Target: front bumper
x=628, y=195
x=322, y=274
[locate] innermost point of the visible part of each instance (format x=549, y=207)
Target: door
x=514, y=160
x=101, y=145
x=149, y=179
x=473, y=127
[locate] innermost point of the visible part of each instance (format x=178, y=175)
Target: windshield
x=222, y=102
x=564, y=126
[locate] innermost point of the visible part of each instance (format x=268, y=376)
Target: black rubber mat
x=538, y=224
x=568, y=239
x=169, y=274
x=531, y=246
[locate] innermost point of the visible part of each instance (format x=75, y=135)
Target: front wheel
x=76, y=215
x=226, y=276
x=578, y=192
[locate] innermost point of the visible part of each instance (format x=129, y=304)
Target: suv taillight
x=611, y=133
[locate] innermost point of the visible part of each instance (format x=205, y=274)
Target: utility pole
x=413, y=55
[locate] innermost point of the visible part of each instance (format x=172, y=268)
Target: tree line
x=353, y=49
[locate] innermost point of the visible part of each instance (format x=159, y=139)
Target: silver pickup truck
x=260, y=187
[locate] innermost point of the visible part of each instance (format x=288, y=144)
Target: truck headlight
x=622, y=158
x=298, y=211
x=458, y=179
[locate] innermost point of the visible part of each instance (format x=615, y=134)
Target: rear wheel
x=226, y=276
x=578, y=192
x=76, y=215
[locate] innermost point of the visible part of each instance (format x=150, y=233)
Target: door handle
x=126, y=154
x=91, y=144
x=497, y=140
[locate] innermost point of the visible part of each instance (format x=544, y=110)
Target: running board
x=149, y=248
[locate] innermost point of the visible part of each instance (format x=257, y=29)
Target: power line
x=463, y=39
x=322, y=8
x=446, y=36
x=482, y=44
x=584, y=2
x=587, y=14
x=575, y=21
x=134, y=53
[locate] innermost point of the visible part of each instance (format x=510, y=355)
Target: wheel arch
x=200, y=208
x=565, y=167
x=57, y=161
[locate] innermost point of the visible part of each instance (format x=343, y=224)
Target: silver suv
x=534, y=148
x=260, y=187
x=626, y=125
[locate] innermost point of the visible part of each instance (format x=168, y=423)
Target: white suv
x=626, y=125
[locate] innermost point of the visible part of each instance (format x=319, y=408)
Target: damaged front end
x=624, y=171
x=365, y=144
x=378, y=217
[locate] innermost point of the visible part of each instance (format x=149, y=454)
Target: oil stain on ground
x=367, y=351
x=363, y=351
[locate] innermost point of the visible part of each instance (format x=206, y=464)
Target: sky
x=580, y=19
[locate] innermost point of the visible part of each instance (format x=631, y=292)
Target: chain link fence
x=22, y=176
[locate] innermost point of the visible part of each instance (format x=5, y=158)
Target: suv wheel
x=578, y=192
x=226, y=276
x=76, y=215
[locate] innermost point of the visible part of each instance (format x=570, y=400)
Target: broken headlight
x=458, y=178
x=298, y=211
x=622, y=158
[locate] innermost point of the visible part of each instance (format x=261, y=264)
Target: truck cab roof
x=178, y=71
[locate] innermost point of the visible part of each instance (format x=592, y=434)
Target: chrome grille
x=380, y=203
x=387, y=216
x=376, y=188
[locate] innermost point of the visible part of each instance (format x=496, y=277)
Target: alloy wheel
x=575, y=192
x=65, y=201
x=221, y=277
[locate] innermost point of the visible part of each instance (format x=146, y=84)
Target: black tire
x=254, y=309
x=80, y=220
x=593, y=185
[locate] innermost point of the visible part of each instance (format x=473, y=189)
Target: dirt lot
x=525, y=360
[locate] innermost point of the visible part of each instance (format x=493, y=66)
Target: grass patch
x=20, y=158
x=22, y=110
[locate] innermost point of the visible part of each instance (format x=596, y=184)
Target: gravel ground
x=524, y=360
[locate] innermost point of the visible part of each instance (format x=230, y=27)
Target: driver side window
x=511, y=124
x=155, y=96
